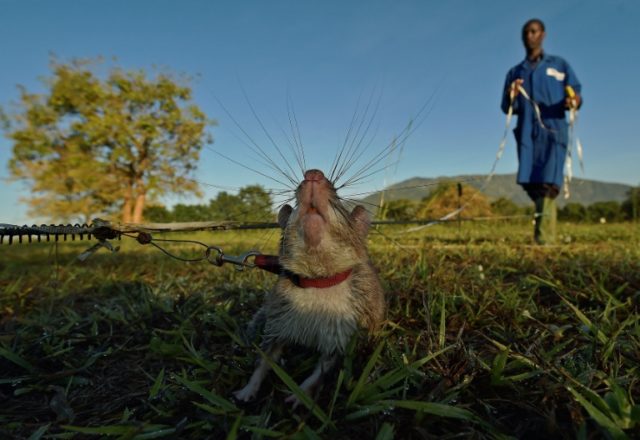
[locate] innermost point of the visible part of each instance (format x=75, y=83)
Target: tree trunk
x=128, y=206
x=139, y=208
x=126, y=211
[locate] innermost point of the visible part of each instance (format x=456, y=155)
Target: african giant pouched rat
x=327, y=288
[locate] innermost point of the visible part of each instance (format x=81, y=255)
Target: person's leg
x=546, y=213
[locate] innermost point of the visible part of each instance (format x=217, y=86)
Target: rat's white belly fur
x=322, y=318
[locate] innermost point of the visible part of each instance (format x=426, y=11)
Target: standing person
x=542, y=139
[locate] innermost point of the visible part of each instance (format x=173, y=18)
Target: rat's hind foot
x=309, y=385
x=246, y=394
x=293, y=401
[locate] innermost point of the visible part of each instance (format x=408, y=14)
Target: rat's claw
x=293, y=401
x=247, y=394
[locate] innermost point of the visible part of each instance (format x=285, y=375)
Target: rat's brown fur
x=320, y=238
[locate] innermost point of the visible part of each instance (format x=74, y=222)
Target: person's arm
x=571, y=83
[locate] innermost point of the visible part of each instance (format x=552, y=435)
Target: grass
x=487, y=337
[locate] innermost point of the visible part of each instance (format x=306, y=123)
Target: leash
x=104, y=231
x=573, y=118
x=501, y=147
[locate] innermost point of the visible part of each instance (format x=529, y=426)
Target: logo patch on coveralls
x=557, y=75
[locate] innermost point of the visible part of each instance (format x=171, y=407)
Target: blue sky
x=324, y=55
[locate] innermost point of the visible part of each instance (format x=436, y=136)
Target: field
x=486, y=337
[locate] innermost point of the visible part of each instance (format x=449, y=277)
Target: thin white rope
x=573, y=119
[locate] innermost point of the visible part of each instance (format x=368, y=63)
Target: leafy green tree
x=401, y=210
x=631, y=206
x=158, y=214
x=191, y=213
x=573, y=212
x=252, y=203
x=504, y=206
x=93, y=146
x=610, y=211
x=257, y=204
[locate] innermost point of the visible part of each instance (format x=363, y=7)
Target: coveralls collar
x=527, y=64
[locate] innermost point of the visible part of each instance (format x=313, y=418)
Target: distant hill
x=583, y=191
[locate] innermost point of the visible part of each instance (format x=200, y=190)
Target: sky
x=323, y=61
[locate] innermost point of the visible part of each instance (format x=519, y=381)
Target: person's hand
x=572, y=102
x=515, y=86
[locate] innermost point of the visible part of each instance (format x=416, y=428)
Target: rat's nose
x=313, y=175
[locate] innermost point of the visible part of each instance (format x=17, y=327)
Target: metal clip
x=240, y=261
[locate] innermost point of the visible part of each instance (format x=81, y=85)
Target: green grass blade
x=365, y=374
x=37, y=435
x=436, y=409
x=336, y=392
x=11, y=356
x=367, y=411
x=393, y=377
x=233, y=432
x=497, y=367
x=157, y=384
x=386, y=432
x=211, y=397
x=602, y=420
x=442, y=332
x=297, y=391
x=210, y=409
x=103, y=430
x=602, y=338
x=157, y=433
x=264, y=432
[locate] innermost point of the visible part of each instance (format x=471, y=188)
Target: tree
x=631, y=206
x=573, y=212
x=505, y=207
x=610, y=211
x=158, y=214
x=401, y=210
x=92, y=146
x=252, y=203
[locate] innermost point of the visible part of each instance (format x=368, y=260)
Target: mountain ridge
x=583, y=191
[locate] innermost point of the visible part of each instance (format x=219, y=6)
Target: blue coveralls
x=541, y=153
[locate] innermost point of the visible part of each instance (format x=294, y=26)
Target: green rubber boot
x=545, y=221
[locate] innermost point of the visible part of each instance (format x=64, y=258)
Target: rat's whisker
x=255, y=147
x=359, y=202
x=250, y=169
x=399, y=140
x=357, y=179
x=295, y=130
x=266, y=132
x=358, y=138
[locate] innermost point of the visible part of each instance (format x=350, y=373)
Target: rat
x=327, y=288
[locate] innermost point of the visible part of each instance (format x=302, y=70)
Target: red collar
x=319, y=283
x=271, y=264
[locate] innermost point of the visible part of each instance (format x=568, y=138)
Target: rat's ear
x=361, y=219
x=283, y=215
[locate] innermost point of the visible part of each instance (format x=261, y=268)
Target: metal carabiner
x=217, y=260
x=240, y=261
